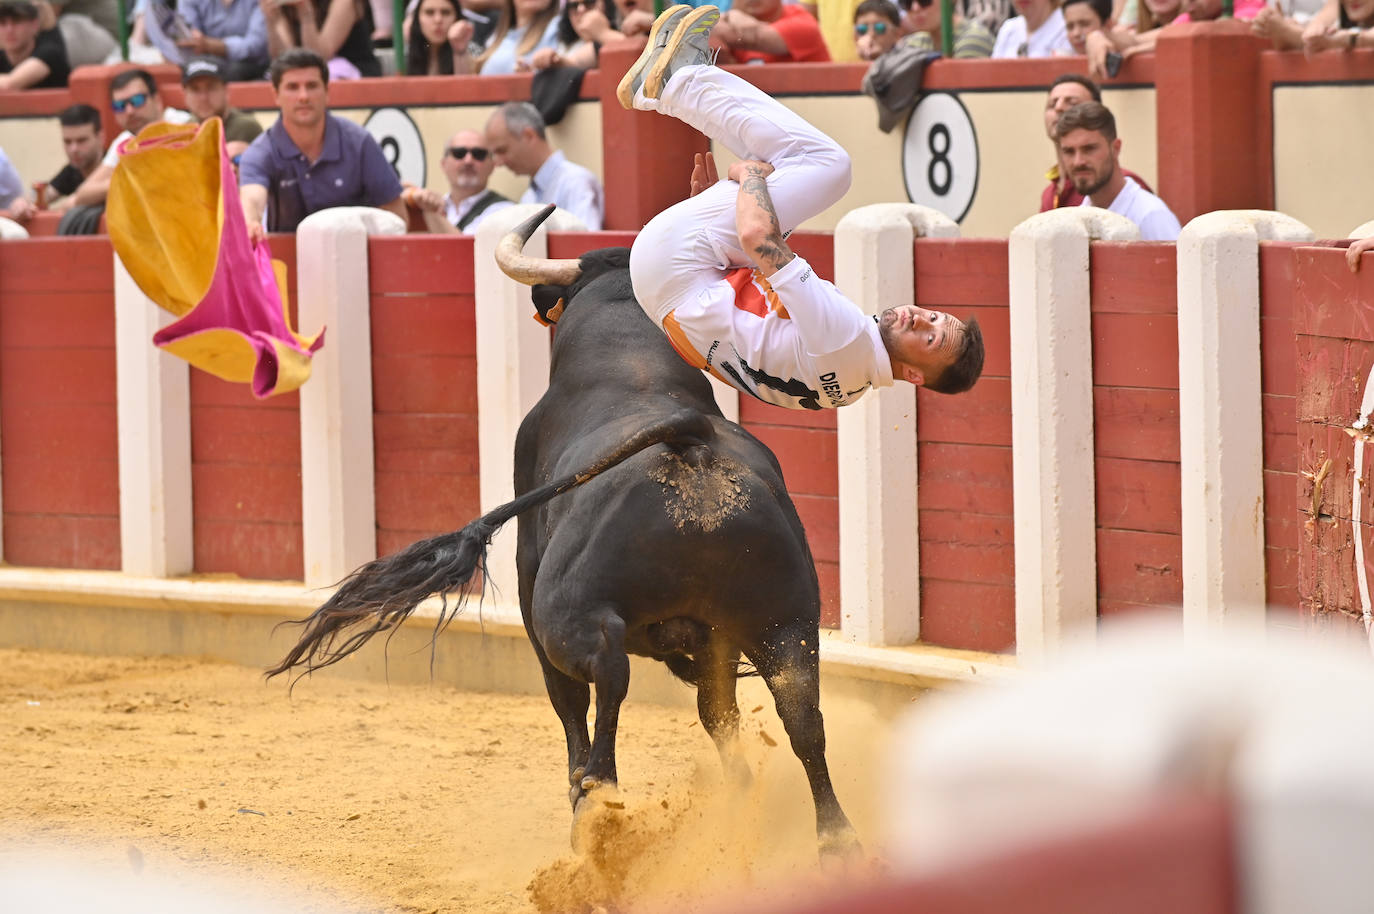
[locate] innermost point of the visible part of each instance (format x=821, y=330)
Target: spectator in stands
x=136, y=104
x=309, y=159
x=583, y=28
x=468, y=164
x=1356, y=249
x=13, y=204
x=637, y=15
x=990, y=14
x=1084, y=17
x=83, y=142
x=340, y=31
x=1340, y=25
x=1130, y=36
x=89, y=29
x=1206, y=10
x=921, y=19
x=207, y=95
x=234, y=31
x=31, y=57
x=769, y=31
x=440, y=39
x=516, y=137
x=1038, y=32
x=1089, y=149
x=876, y=28
x=1066, y=91
x=525, y=27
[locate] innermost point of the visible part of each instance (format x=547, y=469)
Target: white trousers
x=684, y=252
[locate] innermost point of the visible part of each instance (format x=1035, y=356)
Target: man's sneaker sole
x=663, y=25
x=701, y=19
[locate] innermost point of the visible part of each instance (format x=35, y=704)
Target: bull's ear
x=548, y=301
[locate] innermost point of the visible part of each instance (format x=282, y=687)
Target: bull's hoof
x=596, y=799
x=840, y=850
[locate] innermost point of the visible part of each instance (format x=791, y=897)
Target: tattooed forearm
x=763, y=241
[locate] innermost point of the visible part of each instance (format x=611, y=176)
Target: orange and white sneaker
x=659, y=33
x=688, y=45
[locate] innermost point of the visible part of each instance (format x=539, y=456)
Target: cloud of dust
x=692, y=846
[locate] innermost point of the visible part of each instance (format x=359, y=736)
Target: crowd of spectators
x=219, y=41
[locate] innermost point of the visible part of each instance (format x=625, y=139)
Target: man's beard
x=1097, y=183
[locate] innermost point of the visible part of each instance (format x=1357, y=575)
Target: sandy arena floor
x=184, y=777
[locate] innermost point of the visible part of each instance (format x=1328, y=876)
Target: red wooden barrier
x=58, y=440
x=1335, y=354
x=424, y=387
x=246, y=470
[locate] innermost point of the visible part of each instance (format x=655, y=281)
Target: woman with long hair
x=582, y=29
x=340, y=31
x=439, y=36
x=525, y=26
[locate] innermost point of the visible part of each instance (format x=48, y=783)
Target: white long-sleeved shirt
x=570, y=187
x=791, y=340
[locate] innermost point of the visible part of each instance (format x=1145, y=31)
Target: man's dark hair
x=519, y=115
x=18, y=11
x=1103, y=8
x=881, y=8
x=1087, y=116
x=124, y=77
x=967, y=365
x=77, y=115
x=1083, y=81
x=297, y=59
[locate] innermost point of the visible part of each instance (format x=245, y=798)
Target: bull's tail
x=380, y=595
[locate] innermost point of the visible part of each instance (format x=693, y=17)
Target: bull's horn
x=522, y=267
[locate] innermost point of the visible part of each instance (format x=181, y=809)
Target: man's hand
x=256, y=234
x=1352, y=253
x=424, y=199
x=746, y=168
x=194, y=42
x=21, y=210
x=704, y=172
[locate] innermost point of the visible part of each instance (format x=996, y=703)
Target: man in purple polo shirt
x=309, y=159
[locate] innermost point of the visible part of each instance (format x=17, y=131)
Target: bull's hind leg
x=790, y=665
x=591, y=648
x=718, y=666
x=570, y=700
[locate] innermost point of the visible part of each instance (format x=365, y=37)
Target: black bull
x=649, y=524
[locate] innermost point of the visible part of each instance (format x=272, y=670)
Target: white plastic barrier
x=880, y=584
x=1052, y=425
x=338, y=502
x=154, y=409
x=1221, y=432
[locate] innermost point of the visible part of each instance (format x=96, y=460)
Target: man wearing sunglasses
x=467, y=163
x=136, y=104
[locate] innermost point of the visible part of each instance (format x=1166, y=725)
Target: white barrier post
x=512, y=368
x=880, y=581
x=154, y=411
x=1052, y=425
x=1221, y=434
x=9, y=231
x=338, y=500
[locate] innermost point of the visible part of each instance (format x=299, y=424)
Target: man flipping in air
x=715, y=272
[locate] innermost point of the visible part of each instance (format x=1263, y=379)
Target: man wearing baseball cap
x=207, y=96
x=31, y=57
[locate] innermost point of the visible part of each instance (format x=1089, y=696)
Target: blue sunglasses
x=879, y=28
x=138, y=101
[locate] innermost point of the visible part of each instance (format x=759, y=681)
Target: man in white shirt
x=715, y=272
x=136, y=104
x=468, y=164
x=1090, y=149
x=1038, y=32
x=515, y=134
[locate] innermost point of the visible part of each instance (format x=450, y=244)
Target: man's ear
x=913, y=375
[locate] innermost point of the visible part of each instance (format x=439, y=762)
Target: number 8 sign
x=940, y=155
x=401, y=143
